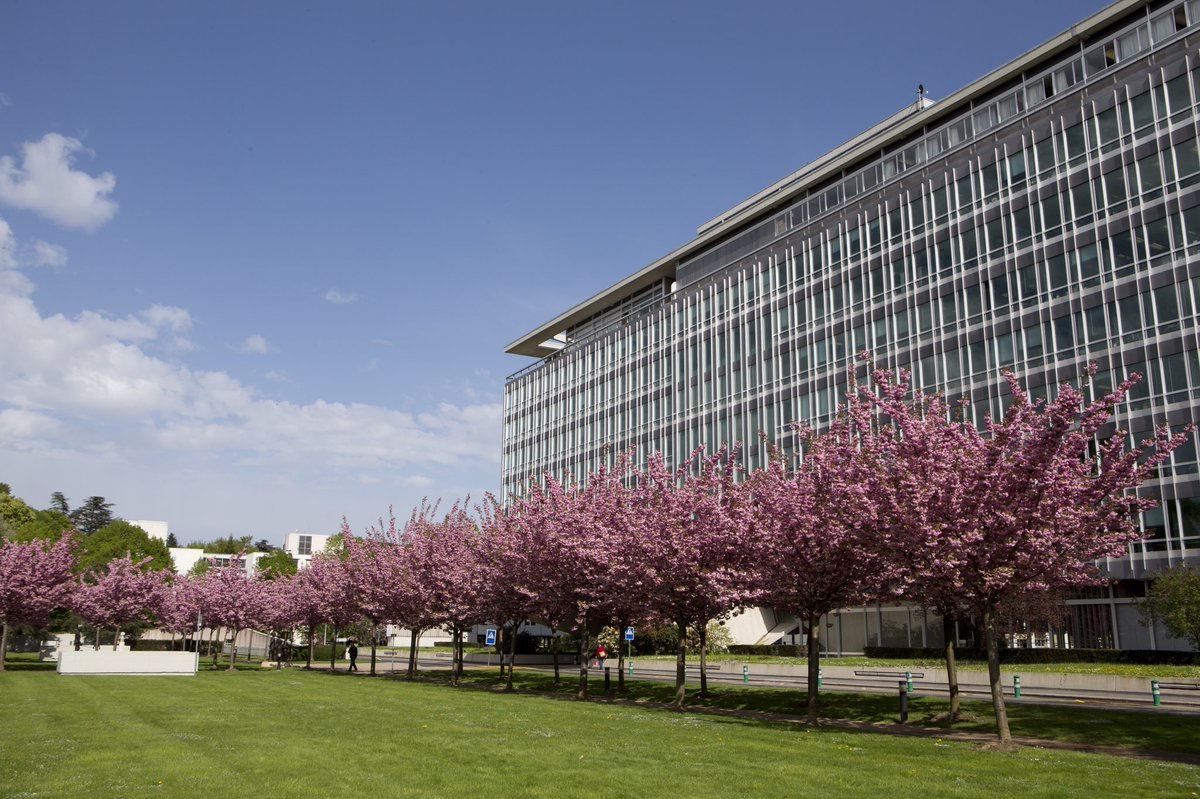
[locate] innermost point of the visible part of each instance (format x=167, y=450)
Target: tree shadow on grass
x=26, y=665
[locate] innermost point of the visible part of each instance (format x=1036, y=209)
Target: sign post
x=629, y=646
x=490, y=640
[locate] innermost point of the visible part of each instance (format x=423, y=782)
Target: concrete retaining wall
x=125, y=662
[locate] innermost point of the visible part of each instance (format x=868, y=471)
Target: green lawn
x=291, y=733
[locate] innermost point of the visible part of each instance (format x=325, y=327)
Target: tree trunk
x=584, y=647
x=512, y=654
x=621, y=659
x=680, y=663
x=952, y=668
x=3, y=644
x=233, y=654
x=96, y=644
x=456, y=653
x=333, y=651
x=414, y=639
x=554, y=651
x=312, y=645
x=703, y=632
x=814, y=666
x=993, y=654
x=374, y=640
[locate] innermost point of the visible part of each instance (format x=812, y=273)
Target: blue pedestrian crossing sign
x=628, y=633
x=491, y=638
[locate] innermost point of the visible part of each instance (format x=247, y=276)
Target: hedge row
x=168, y=646
x=1134, y=656
x=784, y=650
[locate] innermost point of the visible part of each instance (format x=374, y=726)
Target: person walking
x=352, y=651
x=601, y=655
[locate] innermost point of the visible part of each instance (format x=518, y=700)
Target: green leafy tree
x=119, y=538
x=225, y=545
x=263, y=545
x=5, y=488
x=276, y=564
x=14, y=513
x=1174, y=600
x=93, y=515
x=172, y=541
x=336, y=545
x=199, y=568
x=46, y=525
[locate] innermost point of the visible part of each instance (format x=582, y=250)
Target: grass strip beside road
x=315, y=734
x=1149, y=730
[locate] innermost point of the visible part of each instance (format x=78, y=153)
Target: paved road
x=933, y=684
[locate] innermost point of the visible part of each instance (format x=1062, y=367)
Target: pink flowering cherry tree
x=36, y=578
x=234, y=600
x=697, y=547
x=370, y=565
x=817, y=529
x=506, y=553
x=459, y=581
x=1037, y=497
x=180, y=610
x=123, y=592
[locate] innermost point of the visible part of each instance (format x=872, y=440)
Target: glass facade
x=1034, y=227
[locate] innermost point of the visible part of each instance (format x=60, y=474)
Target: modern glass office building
x=1043, y=217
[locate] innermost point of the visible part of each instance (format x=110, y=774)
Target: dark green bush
x=786, y=650
x=1132, y=656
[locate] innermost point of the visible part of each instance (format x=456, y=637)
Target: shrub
x=783, y=650
x=1132, y=656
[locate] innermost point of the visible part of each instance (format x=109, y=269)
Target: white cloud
x=17, y=424
x=46, y=254
x=339, y=298
x=47, y=184
x=255, y=345
x=170, y=317
x=87, y=405
x=8, y=246
x=94, y=372
x=5, y=100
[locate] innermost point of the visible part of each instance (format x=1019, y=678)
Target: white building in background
x=153, y=529
x=186, y=558
x=302, y=546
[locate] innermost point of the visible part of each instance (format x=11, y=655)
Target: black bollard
x=607, y=679
x=903, y=703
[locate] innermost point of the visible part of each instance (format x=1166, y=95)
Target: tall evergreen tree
x=58, y=503
x=93, y=515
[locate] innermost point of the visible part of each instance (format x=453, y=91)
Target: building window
x=304, y=547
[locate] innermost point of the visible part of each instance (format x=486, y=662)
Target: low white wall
x=106, y=661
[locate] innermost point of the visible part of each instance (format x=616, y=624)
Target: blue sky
x=259, y=261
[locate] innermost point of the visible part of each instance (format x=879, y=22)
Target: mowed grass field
x=294, y=733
